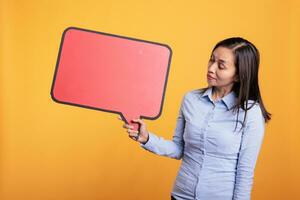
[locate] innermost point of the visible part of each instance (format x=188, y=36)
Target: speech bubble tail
x=128, y=119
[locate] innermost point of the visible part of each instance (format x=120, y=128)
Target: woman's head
x=221, y=69
x=244, y=61
x=234, y=63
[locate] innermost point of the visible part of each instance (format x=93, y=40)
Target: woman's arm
x=169, y=148
x=249, y=150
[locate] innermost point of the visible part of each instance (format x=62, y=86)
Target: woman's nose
x=212, y=67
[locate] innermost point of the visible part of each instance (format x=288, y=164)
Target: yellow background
x=50, y=151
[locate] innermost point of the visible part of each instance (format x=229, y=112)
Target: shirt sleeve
x=250, y=146
x=169, y=148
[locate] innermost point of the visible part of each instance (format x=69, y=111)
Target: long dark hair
x=247, y=59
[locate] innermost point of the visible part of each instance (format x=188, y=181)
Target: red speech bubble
x=111, y=73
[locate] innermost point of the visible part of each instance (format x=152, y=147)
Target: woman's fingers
x=135, y=138
x=132, y=131
x=127, y=126
x=133, y=134
x=134, y=120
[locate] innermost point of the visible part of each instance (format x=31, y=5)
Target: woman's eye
x=221, y=66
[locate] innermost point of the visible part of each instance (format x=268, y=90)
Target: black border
x=105, y=110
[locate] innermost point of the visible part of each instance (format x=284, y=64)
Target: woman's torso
x=211, y=147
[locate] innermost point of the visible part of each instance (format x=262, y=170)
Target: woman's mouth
x=210, y=78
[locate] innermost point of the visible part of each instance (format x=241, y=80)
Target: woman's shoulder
x=253, y=106
x=191, y=97
x=254, y=112
x=195, y=92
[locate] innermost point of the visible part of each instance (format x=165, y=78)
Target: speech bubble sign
x=111, y=73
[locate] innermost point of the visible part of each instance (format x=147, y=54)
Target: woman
x=219, y=128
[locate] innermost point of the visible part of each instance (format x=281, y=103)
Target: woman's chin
x=210, y=83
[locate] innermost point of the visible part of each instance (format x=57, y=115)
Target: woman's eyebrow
x=221, y=60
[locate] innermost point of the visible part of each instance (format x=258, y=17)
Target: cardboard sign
x=111, y=73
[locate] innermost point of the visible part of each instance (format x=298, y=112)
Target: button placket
x=207, y=120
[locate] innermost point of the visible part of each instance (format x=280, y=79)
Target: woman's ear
x=236, y=78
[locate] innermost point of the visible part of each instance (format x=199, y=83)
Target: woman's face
x=221, y=69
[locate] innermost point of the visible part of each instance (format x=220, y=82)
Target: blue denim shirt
x=218, y=160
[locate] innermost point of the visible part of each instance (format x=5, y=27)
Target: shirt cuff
x=149, y=142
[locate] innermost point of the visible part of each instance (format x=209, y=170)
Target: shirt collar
x=229, y=100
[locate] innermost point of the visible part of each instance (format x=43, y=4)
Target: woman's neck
x=218, y=93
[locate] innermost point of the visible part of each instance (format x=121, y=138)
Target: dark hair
x=246, y=61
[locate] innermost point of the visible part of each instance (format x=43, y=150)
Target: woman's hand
x=140, y=136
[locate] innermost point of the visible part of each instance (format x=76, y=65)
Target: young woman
x=219, y=128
